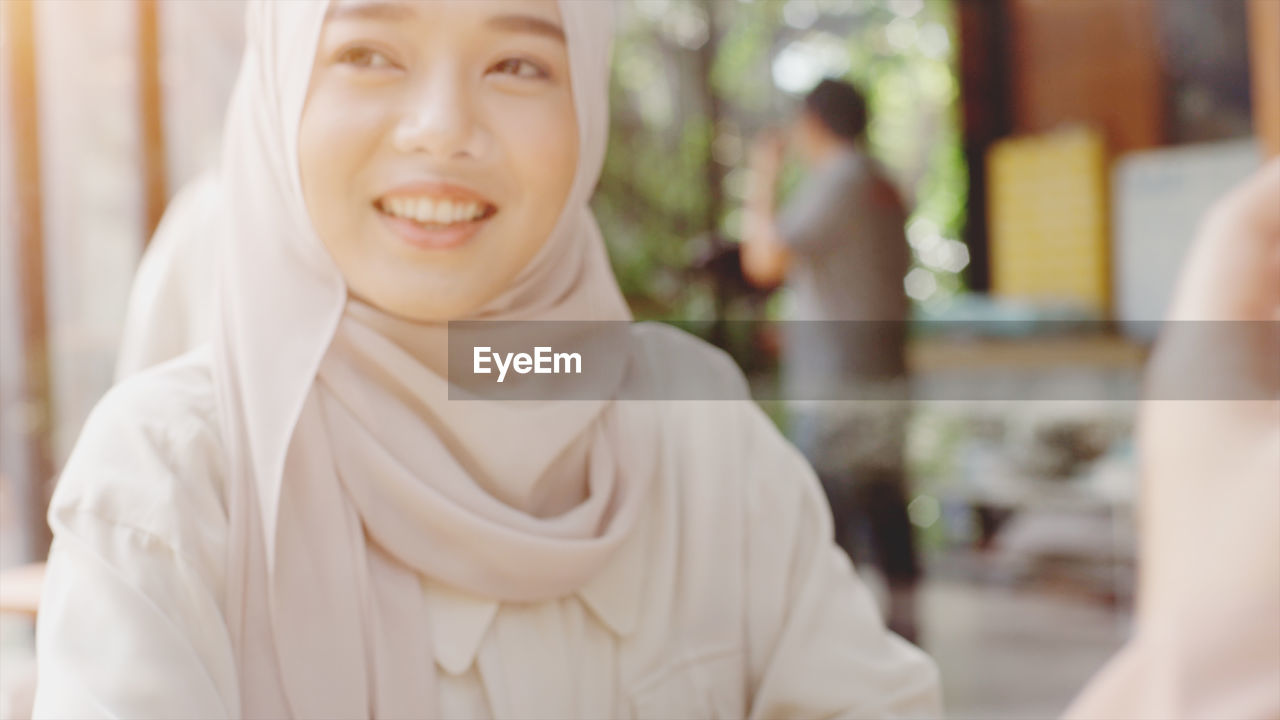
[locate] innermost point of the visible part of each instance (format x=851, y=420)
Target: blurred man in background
x=839, y=244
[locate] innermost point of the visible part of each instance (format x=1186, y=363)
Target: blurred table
x=934, y=353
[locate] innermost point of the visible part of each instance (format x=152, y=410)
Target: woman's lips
x=433, y=236
x=434, y=214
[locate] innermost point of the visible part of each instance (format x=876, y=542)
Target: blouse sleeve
x=817, y=646
x=130, y=624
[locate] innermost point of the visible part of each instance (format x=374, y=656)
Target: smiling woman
x=437, y=146
x=297, y=521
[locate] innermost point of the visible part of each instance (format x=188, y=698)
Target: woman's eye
x=364, y=57
x=519, y=67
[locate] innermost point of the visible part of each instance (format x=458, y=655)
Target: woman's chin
x=433, y=284
x=409, y=302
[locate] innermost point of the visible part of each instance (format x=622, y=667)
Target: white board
x=1158, y=198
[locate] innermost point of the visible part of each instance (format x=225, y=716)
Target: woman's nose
x=439, y=121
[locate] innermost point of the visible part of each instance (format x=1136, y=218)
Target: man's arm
x=765, y=257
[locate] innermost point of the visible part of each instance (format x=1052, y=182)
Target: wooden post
x=36, y=399
x=986, y=116
x=1264, y=61
x=151, y=116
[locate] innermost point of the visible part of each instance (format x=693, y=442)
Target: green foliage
x=693, y=81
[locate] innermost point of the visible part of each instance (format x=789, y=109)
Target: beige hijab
x=171, y=302
x=352, y=473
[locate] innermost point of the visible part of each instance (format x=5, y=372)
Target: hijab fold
x=353, y=474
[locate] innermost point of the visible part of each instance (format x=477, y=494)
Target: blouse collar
x=460, y=620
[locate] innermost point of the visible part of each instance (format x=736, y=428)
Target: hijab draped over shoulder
x=352, y=474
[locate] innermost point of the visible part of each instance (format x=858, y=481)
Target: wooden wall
x=1264, y=41
x=1087, y=61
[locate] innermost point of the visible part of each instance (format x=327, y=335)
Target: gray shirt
x=845, y=228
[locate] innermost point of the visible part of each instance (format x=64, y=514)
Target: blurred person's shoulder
x=682, y=366
x=869, y=177
x=727, y=457
x=706, y=406
x=150, y=456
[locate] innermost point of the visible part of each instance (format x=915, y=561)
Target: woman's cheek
x=546, y=143
x=353, y=127
x=340, y=141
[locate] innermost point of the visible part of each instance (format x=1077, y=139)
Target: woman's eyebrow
x=371, y=10
x=527, y=24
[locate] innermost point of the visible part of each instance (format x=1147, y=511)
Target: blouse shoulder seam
x=151, y=535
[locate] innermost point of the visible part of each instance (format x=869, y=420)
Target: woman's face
x=437, y=147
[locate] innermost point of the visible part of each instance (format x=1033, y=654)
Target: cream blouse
x=729, y=601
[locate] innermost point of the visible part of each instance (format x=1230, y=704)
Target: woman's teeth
x=426, y=210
